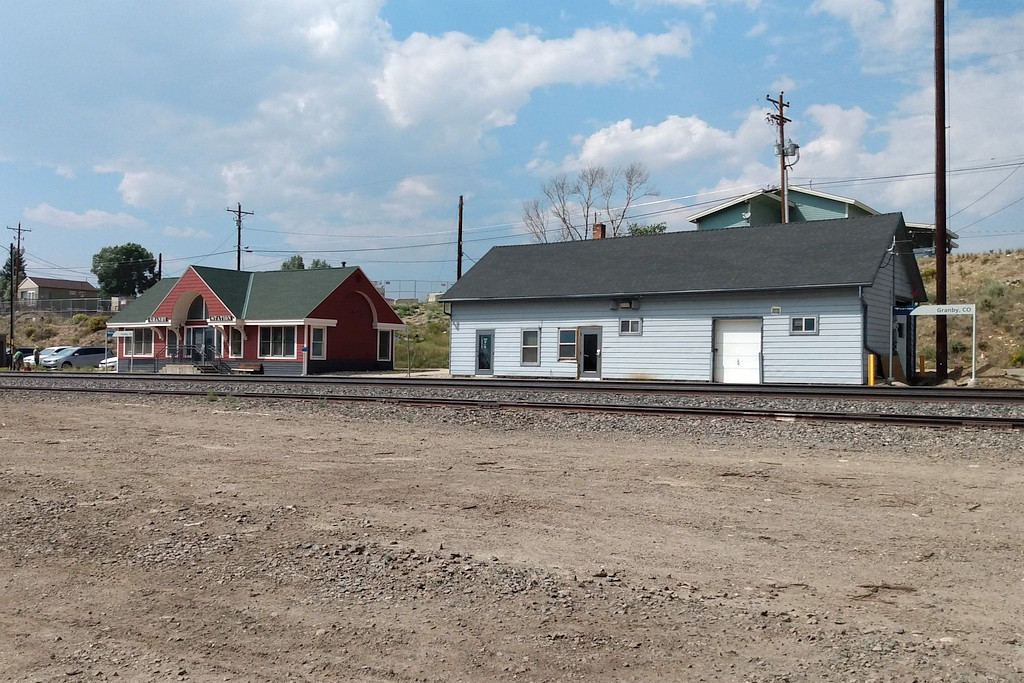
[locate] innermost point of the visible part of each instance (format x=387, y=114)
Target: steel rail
x=810, y=391
x=941, y=421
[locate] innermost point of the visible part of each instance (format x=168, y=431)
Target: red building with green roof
x=285, y=322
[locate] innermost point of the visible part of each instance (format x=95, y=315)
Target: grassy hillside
x=53, y=329
x=994, y=281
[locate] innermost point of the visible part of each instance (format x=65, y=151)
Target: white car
x=109, y=364
x=30, y=359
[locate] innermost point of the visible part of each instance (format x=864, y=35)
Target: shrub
x=957, y=346
x=30, y=332
x=98, y=322
x=79, y=318
x=928, y=274
x=1017, y=358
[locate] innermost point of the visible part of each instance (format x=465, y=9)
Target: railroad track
x=962, y=407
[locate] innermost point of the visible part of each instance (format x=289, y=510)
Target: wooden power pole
x=458, y=271
x=941, y=350
x=779, y=119
x=238, y=222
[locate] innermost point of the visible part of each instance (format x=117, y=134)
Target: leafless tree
x=571, y=204
x=634, y=183
x=536, y=220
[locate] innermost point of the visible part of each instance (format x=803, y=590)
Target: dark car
x=26, y=351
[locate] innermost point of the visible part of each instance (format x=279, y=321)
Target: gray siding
x=677, y=336
x=878, y=299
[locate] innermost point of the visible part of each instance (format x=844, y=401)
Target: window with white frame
x=140, y=343
x=384, y=344
x=803, y=324
x=634, y=326
x=197, y=309
x=235, y=343
x=318, y=343
x=567, y=344
x=530, y=353
x=277, y=342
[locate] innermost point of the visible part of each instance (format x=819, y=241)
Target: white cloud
x=455, y=79
x=892, y=26
x=841, y=133
x=331, y=28
x=185, y=233
x=685, y=4
x=675, y=141
x=782, y=84
x=146, y=188
x=89, y=220
x=414, y=188
x=758, y=29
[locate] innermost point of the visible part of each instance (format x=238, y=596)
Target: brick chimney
x=598, y=231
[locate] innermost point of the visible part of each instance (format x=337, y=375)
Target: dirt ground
x=157, y=539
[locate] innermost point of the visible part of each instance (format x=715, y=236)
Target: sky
x=350, y=128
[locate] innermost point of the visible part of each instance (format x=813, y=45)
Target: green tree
x=293, y=263
x=125, y=270
x=319, y=264
x=637, y=230
x=5, y=275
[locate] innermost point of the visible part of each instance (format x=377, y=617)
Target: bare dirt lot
x=160, y=539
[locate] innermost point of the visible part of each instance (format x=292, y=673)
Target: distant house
x=764, y=207
x=805, y=302
x=297, y=322
x=48, y=289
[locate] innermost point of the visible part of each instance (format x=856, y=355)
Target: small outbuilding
x=287, y=322
x=805, y=302
x=54, y=294
x=764, y=207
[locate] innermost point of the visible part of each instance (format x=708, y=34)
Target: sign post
x=957, y=309
x=125, y=334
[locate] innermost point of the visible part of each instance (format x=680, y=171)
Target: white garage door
x=738, y=351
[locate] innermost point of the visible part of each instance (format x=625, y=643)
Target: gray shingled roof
x=812, y=254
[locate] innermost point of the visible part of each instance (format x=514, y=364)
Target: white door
x=738, y=351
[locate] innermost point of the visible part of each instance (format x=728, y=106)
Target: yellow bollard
x=871, y=369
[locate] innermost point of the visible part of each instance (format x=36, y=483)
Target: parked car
x=109, y=364
x=75, y=357
x=30, y=359
x=26, y=351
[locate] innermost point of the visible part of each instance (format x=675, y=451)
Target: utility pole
x=458, y=272
x=941, y=350
x=10, y=287
x=16, y=268
x=238, y=222
x=779, y=119
x=16, y=264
